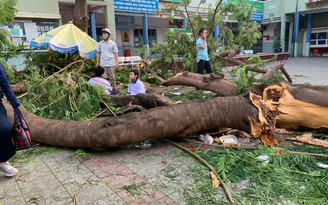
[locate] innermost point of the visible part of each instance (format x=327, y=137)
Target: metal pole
x=308, y=35
x=297, y=22
x=145, y=33
x=93, y=25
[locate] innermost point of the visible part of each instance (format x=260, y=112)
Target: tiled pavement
x=127, y=176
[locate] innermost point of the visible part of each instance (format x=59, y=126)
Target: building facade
x=127, y=19
x=300, y=27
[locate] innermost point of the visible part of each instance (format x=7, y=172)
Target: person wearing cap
x=107, y=55
x=135, y=86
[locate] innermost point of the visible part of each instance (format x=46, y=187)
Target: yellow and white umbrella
x=67, y=39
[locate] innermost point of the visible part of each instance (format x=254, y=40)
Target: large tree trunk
x=308, y=109
x=81, y=15
x=175, y=120
x=213, y=82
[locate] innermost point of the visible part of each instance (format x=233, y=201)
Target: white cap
x=105, y=30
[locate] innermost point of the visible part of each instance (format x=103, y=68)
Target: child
x=135, y=86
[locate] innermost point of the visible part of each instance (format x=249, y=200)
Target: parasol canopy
x=67, y=39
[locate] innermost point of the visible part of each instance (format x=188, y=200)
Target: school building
x=298, y=27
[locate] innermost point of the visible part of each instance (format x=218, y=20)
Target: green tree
x=7, y=10
x=182, y=44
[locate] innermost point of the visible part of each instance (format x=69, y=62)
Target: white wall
x=153, y=23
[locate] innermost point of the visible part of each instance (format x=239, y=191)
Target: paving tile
x=95, y=191
x=112, y=199
x=42, y=189
x=120, y=180
x=9, y=192
x=58, y=199
x=163, y=201
x=145, y=194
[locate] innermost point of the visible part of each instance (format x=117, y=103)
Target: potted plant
x=277, y=45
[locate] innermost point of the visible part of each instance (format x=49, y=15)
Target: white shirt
x=107, y=51
x=102, y=82
x=137, y=87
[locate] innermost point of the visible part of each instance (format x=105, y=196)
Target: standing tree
x=7, y=10
x=81, y=15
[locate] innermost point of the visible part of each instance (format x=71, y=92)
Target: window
x=314, y=35
x=322, y=35
x=138, y=37
x=319, y=39
x=322, y=42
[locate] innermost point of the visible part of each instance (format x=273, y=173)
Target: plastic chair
x=315, y=52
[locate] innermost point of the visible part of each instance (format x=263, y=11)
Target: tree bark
x=170, y=121
x=145, y=100
x=213, y=82
x=81, y=17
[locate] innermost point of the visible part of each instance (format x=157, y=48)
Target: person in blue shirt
x=135, y=86
x=203, y=62
x=7, y=147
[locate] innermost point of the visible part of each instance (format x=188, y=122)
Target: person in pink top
x=98, y=78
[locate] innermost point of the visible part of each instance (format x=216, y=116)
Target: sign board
x=124, y=22
x=173, y=1
x=271, y=15
x=31, y=31
x=257, y=16
x=272, y=7
x=258, y=6
x=316, y=3
x=187, y=31
x=136, y=6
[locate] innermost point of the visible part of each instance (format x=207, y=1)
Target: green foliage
x=177, y=45
x=276, y=43
x=286, y=178
x=29, y=155
x=181, y=44
x=64, y=96
x=248, y=30
x=56, y=99
x=9, y=73
x=7, y=10
x=82, y=153
x=135, y=189
x=193, y=95
x=243, y=77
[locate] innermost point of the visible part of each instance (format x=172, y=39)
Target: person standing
x=203, y=62
x=7, y=146
x=107, y=55
x=135, y=86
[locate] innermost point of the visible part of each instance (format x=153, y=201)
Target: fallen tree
x=256, y=114
x=174, y=120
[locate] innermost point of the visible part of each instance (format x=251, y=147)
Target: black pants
x=7, y=146
x=203, y=64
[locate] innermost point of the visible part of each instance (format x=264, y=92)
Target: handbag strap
x=18, y=116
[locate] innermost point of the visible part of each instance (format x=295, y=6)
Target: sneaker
x=7, y=169
x=144, y=144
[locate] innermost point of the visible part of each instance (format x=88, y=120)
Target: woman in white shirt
x=100, y=79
